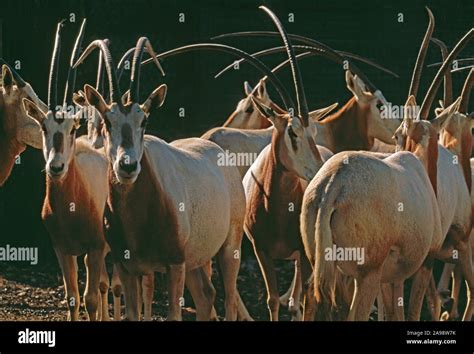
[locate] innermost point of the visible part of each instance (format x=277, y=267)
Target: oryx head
x=59, y=122
x=124, y=122
x=245, y=116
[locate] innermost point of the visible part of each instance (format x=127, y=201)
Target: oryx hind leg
x=229, y=257
x=203, y=293
x=367, y=287
x=420, y=283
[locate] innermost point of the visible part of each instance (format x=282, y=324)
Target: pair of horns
x=143, y=44
x=54, y=67
x=430, y=95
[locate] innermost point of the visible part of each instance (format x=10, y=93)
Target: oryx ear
x=125, y=97
x=7, y=78
x=155, y=100
x=33, y=111
x=262, y=92
x=79, y=98
x=322, y=112
x=443, y=118
x=409, y=110
x=357, y=87
x=278, y=121
x=247, y=88
x=95, y=99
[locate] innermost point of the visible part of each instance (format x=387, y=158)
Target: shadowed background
x=368, y=28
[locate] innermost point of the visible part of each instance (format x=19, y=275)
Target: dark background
x=368, y=28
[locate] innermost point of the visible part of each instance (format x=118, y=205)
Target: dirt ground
x=37, y=293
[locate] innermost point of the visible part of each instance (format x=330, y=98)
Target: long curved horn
x=287, y=101
x=53, y=69
x=459, y=61
x=415, y=78
x=18, y=79
x=142, y=44
x=121, y=65
x=462, y=68
x=114, y=89
x=448, y=81
x=303, y=111
x=332, y=55
x=99, y=83
x=71, y=75
x=466, y=92
x=304, y=40
x=430, y=95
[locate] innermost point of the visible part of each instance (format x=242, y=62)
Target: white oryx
x=162, y=201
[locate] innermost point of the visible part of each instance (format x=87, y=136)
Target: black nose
x=128, y=167
x=57, y=169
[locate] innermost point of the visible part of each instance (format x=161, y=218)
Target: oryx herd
x=359, y=201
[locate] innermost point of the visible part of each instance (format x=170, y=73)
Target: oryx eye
x=379, y=105
x=249, y=110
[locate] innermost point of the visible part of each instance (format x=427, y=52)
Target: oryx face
x=374, y=108
x=124, y=130
x=59, y=137
x=16, y=123
x=298, y=151
x=245, y=115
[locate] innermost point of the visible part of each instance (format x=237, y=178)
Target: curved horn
x=415, y=79
x=466, y=92
x=303, y=40
x=120, y=67
x=332, y=55
x=114, y=88
x=53, y=69
x=99, y=84
x=303, y=111
x=71, y=75
x=18, y=79
x=430, y=95
x=459, y=61
x=142, y=44
x=462, y=68
x=448, y=81
x=287, y=101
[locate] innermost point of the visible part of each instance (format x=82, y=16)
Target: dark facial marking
x=127, y=137
x=58, y=142
x=293, y=138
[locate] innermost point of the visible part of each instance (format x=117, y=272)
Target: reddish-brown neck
x=347, y=129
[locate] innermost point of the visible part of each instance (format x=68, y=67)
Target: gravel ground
x=37, y=293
